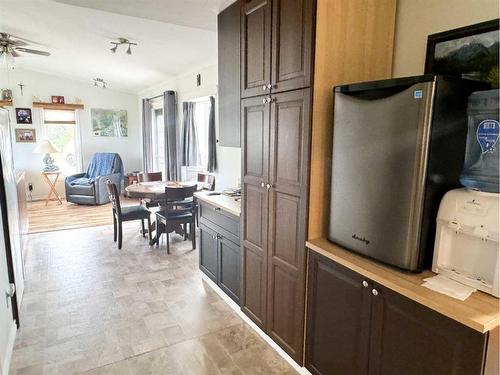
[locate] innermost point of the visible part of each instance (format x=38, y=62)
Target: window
x=62, y=130
x=158, y=141
x=201, y=118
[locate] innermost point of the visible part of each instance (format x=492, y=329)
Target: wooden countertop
x=224, y=202
x=480, y=311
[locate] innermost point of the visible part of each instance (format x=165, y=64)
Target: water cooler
x=467, y=237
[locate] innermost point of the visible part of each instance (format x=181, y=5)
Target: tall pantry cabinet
x=291, y=57
x=276, y=75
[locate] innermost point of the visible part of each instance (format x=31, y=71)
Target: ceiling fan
x=12, y=47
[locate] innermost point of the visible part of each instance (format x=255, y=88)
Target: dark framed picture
x=468, y=52
x=58, y=99
x=25, y=135
x=23, y=115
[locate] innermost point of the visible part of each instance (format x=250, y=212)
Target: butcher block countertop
x=224, y=202
x=480, y=311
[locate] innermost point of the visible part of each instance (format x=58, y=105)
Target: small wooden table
x=52, y=185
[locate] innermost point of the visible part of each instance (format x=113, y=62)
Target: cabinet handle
x=265, y=87
x=216, y=208
x=214, y=237
x=375, y=292
x=269, y=86
x=262, y=184
x=365, y=284
x=268, y=186
x=264, y=100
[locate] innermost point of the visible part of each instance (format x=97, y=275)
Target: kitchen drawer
x=230, y=223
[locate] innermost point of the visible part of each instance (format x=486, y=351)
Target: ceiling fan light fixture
x=129, y=49
x=113, y=50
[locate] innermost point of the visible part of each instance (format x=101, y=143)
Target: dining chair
x=177, y=211
x=149, y=177
x=128, y=213
x=207, y=180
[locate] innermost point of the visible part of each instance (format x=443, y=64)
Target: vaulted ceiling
x=173, y=37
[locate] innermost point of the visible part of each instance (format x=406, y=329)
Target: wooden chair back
x=114, y=197
x=208, y=181
x=179, y=194
x=149, y=176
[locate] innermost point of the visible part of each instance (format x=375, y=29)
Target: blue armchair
x=90, y=187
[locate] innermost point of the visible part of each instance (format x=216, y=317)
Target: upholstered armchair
x=90, y=187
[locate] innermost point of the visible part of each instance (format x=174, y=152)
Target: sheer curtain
x=190, y=146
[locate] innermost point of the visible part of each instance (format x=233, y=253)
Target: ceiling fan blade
x=18, y=43
x=34, y=51
x=14, y=53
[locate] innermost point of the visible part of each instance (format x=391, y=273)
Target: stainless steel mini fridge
x=398, y=146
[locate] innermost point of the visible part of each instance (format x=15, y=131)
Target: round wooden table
x=152, y=190
x=155, y=190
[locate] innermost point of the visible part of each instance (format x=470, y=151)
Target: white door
x=7, y=323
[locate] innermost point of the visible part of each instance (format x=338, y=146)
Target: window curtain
x=212, y=140
x=169, y=121
x=190, y=147
x=147, y=136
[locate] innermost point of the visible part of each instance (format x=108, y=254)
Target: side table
x=51, y=180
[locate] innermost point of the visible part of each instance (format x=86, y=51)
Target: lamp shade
x=45, y=147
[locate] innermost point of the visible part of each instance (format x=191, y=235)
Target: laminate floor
x=90, y=308
x=55, y=216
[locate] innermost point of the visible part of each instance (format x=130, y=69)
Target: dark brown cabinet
x=275, y=177
x=228, y=37
x=277, y=40
x=355, y=326
x=220, y=257
x=208, y=252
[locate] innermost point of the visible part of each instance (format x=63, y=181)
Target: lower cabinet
x=355, y=326
x=219, y=256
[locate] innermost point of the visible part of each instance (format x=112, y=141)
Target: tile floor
x=90, y=308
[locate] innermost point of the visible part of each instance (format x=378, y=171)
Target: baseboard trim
x=246, y=319
x=9, y=349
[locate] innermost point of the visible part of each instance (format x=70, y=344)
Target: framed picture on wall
x=58, y=99
x=23, y=115
x=469, y=52
x=25, y=135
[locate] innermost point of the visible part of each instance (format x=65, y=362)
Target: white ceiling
x=173, y=37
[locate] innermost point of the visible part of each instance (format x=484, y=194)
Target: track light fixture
x=99, y=82
x=120, y=42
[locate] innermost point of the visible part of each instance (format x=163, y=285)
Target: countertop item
x=480, y=311
x=224, y=202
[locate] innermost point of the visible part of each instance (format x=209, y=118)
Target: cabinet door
x=338, y=319
x=408, y=338
x=289, y=170
x=228, y=34
x=255, y=47
x=292, y=44
x=208, y=252
x=254, y=216
x=229, y=268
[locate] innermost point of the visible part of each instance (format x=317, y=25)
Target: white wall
x=44, y=86
x=228, y=158
x=416, y=19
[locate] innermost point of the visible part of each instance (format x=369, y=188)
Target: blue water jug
x=481, y=154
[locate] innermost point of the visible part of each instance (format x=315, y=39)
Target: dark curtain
x=190, y=147
x=147, y=136
x=212, y=140
x=169, y=120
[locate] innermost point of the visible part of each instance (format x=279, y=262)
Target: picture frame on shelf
x=25, y=135
x=469, y=52
x=56, y=99
x=23, y=116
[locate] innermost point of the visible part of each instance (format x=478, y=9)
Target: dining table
x=155, y=191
